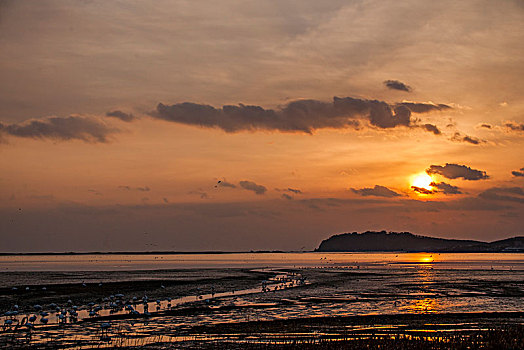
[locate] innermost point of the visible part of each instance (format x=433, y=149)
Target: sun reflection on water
x=424, y=305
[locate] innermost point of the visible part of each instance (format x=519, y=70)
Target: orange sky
x=91, y=161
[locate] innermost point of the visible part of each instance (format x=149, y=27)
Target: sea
x=297, y=285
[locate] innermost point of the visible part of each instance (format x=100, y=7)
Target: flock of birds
x=15, y=319
x=69, y=313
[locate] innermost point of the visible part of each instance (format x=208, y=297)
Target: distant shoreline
x=152, y=253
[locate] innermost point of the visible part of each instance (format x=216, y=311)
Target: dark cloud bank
x=298, y=116
x=304, y=116
x=272, y=224
x=508, y=194
x=455, y=171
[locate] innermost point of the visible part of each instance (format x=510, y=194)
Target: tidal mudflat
x=274, y=301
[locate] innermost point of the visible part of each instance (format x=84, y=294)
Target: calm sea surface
x=125, y=262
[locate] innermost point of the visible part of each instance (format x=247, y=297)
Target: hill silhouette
x=405, y=241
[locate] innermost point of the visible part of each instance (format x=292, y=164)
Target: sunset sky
x=253, y=125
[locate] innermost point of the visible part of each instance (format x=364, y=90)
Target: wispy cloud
x=123, y=116
x=423, y=107
x=378, y=191
x=223, y=183
x=61, y=128
x=514, y=126
x=458, y=137
x=422, y=190
x=201, y=194
x=445, y=188
x=508, y=194
x=292, y=190
x=485, y=126
x=397, y=85
x=95, y=192
x=129, y=188
x=287, y=196
x=251, y=186
x=431, y=128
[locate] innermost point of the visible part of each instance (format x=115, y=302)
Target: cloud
x=431, y=128
x=223, y=183
x=445, y=188
x=510, y=194
x=518, y=173
x=128, y=188
x=454, y=171
x=514, y=126
x=465, y=138
x=95, y=192
x=297, y=116
x=397, y=85
x=422, y=190
x=287, y=196
x=123, y=116
x=292, y=190
x=61, y=128
x=202, y=195
x=379, y=191
x=251, y=186
x=45, y=197
x=426, y=107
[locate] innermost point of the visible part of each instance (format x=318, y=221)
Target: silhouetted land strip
x=370, y=241
x=154, y=252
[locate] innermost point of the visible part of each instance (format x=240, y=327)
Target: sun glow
x=422, y=180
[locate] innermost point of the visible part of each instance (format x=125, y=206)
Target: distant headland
x=370, y=241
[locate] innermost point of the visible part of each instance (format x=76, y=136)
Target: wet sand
x=347, y=306
x=85, y=287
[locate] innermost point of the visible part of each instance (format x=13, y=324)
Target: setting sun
x=422, y=180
